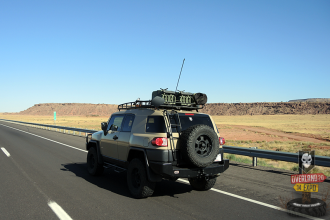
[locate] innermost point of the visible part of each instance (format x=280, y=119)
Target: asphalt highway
x=43, y=175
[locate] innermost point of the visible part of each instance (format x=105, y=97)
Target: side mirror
x=114, y=127
x=104, y=126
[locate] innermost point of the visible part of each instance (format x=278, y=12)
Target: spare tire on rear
x=199, y=145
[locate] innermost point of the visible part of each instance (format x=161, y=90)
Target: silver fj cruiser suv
x=163, y=138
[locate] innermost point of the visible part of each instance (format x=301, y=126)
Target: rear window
x=157, y=124
x=190, y=120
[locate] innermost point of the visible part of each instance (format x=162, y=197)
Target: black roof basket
x=147, y=104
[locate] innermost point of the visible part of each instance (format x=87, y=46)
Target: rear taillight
x=222, y=141
x=160, y=141
x=188, y=114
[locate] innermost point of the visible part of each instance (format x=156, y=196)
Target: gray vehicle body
x=127, y=135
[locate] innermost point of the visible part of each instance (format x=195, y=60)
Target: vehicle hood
x=97, y=135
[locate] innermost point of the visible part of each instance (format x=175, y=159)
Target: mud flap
x=152, y=177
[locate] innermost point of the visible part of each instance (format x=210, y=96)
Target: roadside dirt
x=240, y=132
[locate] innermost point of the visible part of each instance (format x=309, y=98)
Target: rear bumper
x=169, y=170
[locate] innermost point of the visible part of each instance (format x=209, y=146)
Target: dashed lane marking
x=61, y=214
x=5, y=151
x=45, y=138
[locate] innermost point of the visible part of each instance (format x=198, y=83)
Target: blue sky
x=116, y=51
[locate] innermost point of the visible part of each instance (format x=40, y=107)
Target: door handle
x=115, y=137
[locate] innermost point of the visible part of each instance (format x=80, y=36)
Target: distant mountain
x=311, y=100
x=84, y=109
x=260, y=108
x=267, y=108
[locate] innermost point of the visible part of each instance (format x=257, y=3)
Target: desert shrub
x=231, y=157
x=239, y=159
x=244, y=160
x=262, y=163
x=295, y=168
x=316, y=170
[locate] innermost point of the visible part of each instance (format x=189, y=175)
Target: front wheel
x=137, y=180
x=94, y=168
x=202, y=184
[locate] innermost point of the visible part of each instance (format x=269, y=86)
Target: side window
x=128, y=123
x=117, y=121
x=155, y=124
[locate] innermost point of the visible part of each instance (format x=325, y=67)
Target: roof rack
x=147, y=104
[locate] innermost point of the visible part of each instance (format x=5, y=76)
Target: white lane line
x=5, y=151
x=45, y=138
x=61, y=214
x=185, y=181
x=257, y=202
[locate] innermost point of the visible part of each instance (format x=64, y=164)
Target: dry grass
x=90, y=122
x=310, y=124
x=285, y=146
x=306, y=124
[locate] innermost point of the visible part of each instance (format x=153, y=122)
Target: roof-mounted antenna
x=179, y=75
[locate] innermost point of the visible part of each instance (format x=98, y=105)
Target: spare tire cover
x=200, y=98
x=199, y=145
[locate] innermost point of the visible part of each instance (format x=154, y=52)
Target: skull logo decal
x=306, y=161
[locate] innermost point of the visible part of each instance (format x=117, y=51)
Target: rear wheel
x=137, y=180
x=173, y=179
x=94, y=168
x=202, y=184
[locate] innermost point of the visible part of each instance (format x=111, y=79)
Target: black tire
x=316, y=211
x=137, y=180
x=202, y=184
x=199, y=145
x=94, y=168
x=173, y=179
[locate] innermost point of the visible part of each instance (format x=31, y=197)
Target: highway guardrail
x=54, y=127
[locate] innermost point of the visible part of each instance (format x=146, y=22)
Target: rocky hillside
x=70, y=109
x=311, y=100
x=262, y=108
x=267, y=108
